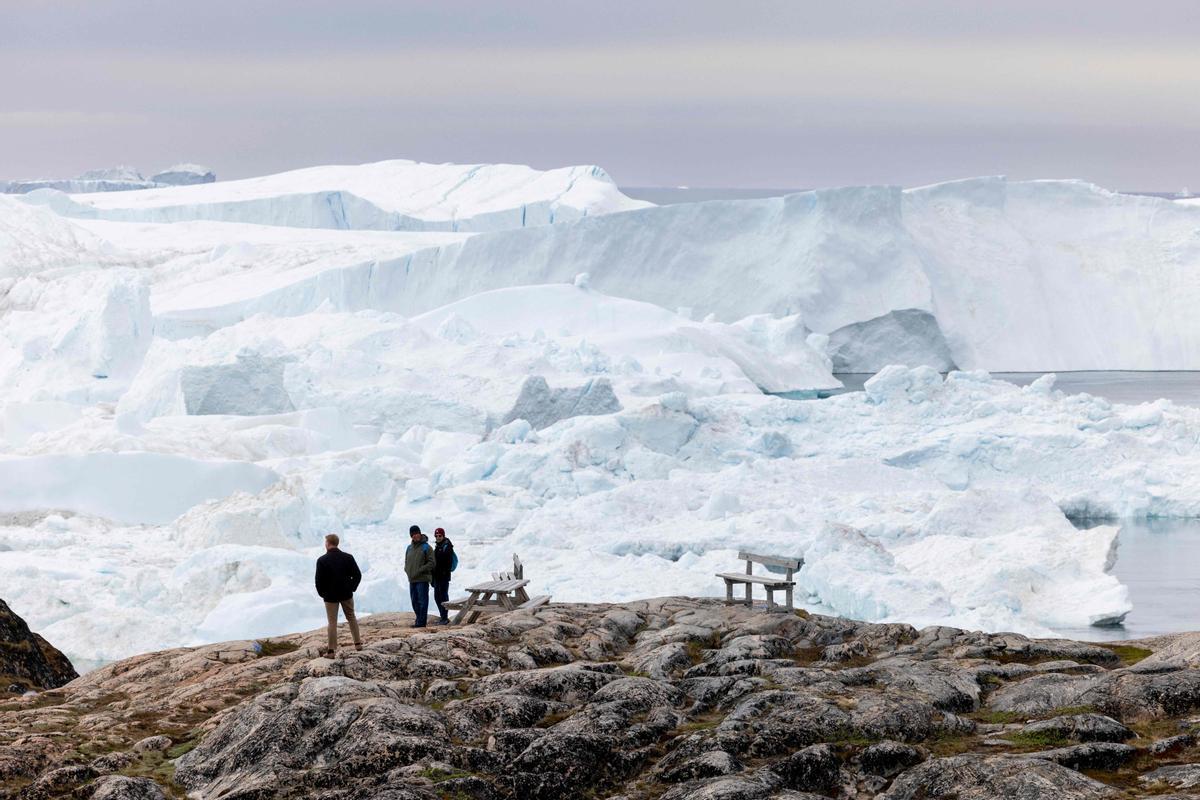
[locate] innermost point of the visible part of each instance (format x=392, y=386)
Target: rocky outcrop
x=27, y=661
x=666, y=699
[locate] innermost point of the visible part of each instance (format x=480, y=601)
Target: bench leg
x=728, y=592
x=462, y=612
x=789, y=599
x=749, y=596
x=770, y=599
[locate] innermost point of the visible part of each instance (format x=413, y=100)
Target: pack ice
x=201, y=380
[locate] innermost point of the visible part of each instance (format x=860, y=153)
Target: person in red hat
x=444, y=562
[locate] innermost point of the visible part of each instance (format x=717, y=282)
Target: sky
x=753, y=93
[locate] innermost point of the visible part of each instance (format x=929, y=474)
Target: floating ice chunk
x=895, y=381
x=418, y=489
x=907, y=336
x=583, y=281
x=184, y=175
x=276, y=517
x=719, y=506
x=251, y=385
x=456, y=329
x=774, y=444
x=542, y=406
x=660, y=427
x=518, y=430
x=361, y=493
x=1043, y=385
x=1143, y=416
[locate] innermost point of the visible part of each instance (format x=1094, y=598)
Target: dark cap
x=414, y=529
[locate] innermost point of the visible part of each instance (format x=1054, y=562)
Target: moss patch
x=990, y=717
x=274, y=647
x=1128, y=654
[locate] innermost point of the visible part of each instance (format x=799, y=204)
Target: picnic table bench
x=771, y=583
x=506, y=592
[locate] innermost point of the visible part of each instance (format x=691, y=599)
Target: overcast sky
x=745, y=93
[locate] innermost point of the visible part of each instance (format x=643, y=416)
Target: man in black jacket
x=337, y=578
x=443, y=565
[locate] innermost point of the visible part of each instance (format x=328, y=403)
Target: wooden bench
x=534, y=602
x=770, y=583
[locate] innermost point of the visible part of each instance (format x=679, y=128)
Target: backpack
x=453, y=561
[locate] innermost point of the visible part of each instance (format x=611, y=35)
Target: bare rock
x=1092, y=755
x=119, y=787
x=27, y=660
x=1172, y=744
x=710, y=764
x=1177, y=776
x=1081, y=728
x=975, y=777
x=889, y=758
x=814, y=768
x=153, y=744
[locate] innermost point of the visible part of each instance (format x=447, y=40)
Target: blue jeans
x=419, y=594
x=441, y=594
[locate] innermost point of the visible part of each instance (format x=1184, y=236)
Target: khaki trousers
x=331, y=613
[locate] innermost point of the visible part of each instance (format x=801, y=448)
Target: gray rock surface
x=975, y=777
x=666, y=698
x=1081, y=728
x=27, y=661
x=119, y=787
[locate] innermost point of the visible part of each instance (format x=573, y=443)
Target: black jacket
x=443, y=557
x=337, y=576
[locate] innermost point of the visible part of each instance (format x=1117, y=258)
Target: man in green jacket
x=418, y=566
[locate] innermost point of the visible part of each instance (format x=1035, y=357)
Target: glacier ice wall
x=1042, y=275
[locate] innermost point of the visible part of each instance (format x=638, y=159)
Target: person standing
x=418, y=566
x=337, y=578
x=444, y=563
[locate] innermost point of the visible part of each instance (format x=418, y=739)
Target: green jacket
x=418, y=563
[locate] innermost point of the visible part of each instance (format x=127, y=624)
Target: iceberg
x=202, y=379
x=1018, y=276
x=389, y=196
x=184, y=175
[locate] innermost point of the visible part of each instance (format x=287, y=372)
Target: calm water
x=1159, y=560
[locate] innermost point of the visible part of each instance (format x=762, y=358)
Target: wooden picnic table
x=507, y=595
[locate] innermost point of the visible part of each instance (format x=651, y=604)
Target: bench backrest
x=771, y=561
x=518, y=571
x=789, y=565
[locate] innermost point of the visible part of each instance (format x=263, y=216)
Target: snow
x=200, y=381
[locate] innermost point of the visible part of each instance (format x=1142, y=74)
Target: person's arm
x=429, y=559
x=319, y=578
x=355, y=574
